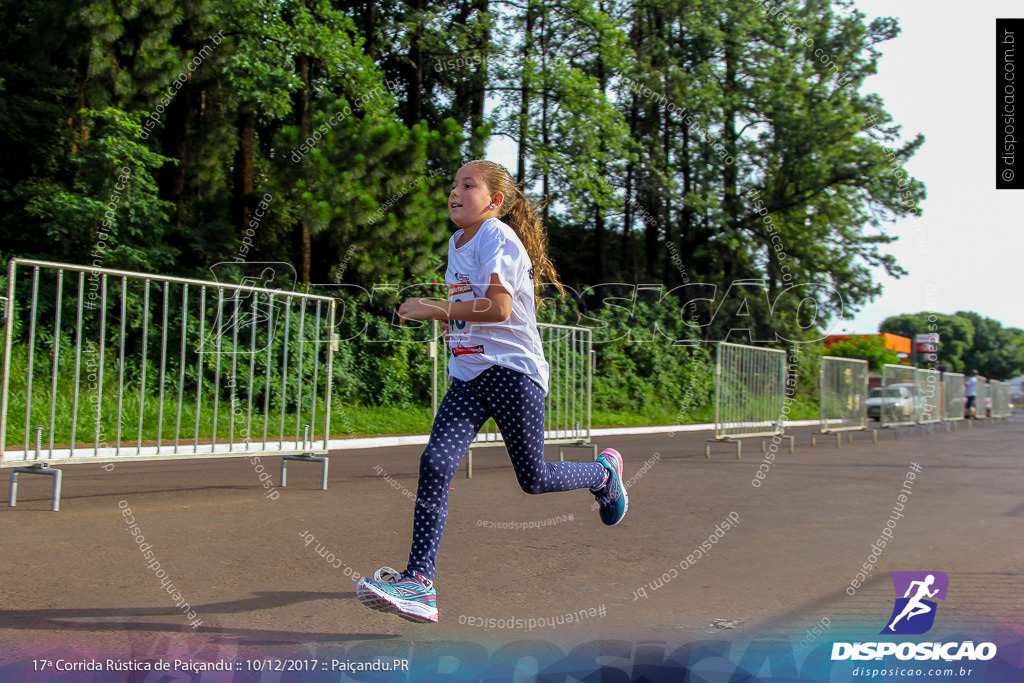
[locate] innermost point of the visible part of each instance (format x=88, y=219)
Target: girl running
x=497, y=369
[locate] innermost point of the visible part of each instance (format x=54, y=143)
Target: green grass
x=655, y=416
x=802, y=409
x=379, y=420
x=357, y=420
x=347, y=419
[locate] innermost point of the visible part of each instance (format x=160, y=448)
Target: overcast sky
x=938, y=78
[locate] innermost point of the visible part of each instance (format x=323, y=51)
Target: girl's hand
x=417, y=308
x=444, y=332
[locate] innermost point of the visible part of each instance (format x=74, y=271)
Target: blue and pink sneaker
x=611, y=498
x=412, y=598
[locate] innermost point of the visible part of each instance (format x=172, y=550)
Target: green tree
x=968, y=341
x=956, y=333
x=869, y=348
x=812, y=176
x=368, y=187
x=997, y=351
x=645, y=124
x=70, y=123
x=754, y=162
x=297, y=68
x=555, y=83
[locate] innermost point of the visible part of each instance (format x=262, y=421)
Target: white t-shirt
x=971, y=387
x=515, y=343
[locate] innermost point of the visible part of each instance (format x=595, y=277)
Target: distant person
x=971, y=392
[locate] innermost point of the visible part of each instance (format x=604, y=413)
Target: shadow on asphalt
x=92, y=619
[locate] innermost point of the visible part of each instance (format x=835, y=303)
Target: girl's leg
x=517, y=404
x=458, y=420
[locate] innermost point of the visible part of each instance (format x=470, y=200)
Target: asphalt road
x=512, y=566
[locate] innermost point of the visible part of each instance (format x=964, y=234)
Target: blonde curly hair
x=523, y=216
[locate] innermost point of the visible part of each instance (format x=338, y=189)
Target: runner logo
x=914, y=612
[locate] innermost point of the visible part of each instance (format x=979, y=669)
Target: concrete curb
x=420, y=439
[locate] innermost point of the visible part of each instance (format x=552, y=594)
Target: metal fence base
x=580, y=444
x=561, y=452
x=839, y=437
x=38, y=468
x=897, y=430
x=708, y=442
x=305, y=457
x=764, y=441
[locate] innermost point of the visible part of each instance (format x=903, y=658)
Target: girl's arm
x=496, y=307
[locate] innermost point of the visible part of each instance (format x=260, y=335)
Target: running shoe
x=611, y=498
x=412, y=598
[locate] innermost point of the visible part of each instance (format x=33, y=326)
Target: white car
x=896, y=401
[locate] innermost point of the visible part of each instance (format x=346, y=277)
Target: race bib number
x=458, y=330
x=463, y=350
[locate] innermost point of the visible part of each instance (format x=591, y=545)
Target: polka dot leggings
x=517, y=405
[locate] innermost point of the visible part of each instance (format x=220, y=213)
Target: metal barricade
x=843, y=392
x=953, y=397
x=750, y=395
x=899, y=402
x=106, y=365
x=567, y=410
x=1001, y=402
x=928, y=396
x=981, y=399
